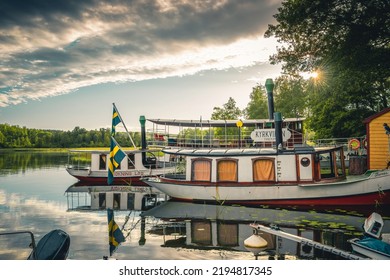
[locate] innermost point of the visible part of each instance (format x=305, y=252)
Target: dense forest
x=13, y=136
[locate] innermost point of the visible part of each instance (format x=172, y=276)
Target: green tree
x=257, y=107
x=347, y=42
x=291, y=96
x=2, y=140
x=229, y=111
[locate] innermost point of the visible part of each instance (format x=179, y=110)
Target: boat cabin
x=258, y=165
x=97, y=161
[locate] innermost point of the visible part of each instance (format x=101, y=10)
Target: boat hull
x=120, y=177
x=361, y=190
x=367, y=251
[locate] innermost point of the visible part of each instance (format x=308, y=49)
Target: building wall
x=378, y=145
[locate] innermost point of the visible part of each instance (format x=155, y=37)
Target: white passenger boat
x=269, y=171
x=298, y=176
x=138, y=164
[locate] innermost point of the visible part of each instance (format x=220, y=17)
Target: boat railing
x=175, y=176
x=351, y=145
x=242, y=140
x=32, y=245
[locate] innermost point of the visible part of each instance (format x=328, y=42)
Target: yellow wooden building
x=378, y=140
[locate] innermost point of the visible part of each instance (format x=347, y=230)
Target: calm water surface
x=33, y=197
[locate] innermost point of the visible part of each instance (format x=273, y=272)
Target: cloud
x=48, y=48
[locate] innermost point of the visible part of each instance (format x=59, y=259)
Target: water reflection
x=223, y=227
x=34, y=196
x=139, y=198
x=13, y=162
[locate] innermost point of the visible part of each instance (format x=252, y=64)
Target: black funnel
x=269, y=86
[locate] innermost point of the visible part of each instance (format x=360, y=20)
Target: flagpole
x=124, y=125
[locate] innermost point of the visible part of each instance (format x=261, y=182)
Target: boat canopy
x=133, y=151
x=236, y=152
x=217, y=123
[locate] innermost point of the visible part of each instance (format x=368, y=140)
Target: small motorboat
x=372, y=244
x=371, y=247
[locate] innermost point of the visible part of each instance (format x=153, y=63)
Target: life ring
x=354, y=144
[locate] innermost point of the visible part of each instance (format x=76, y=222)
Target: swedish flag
x=115, y=235
x=116, y=156
x=116, y=119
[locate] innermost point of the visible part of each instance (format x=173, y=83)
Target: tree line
x=14, y=136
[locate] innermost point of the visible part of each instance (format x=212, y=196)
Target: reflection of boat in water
x=227, y=227
x=117, y=197
x=369, y=246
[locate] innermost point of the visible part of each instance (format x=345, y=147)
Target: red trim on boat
x=134, y=181
x=373, y=199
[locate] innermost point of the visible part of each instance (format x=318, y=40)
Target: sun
x=309, y=75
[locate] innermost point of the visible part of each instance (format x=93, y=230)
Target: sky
x=63, y=63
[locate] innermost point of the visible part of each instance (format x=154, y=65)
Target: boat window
x=102, y=161
x=326, y=165
x=102, y=200
x=340, y=166
x=201, y=232
x=130, y=161
x=227, y=234
x=263, y=169
x=201, y=169
x=130, y=201
x=331, y=164
x=117, y=201
x=227, y=170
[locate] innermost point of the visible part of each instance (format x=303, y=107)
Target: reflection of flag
x=115, y=235
x=116, y=156
x=116, y=119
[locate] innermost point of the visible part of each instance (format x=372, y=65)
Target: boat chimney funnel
x=278, y=130
x=269, y=86
x=142, y=121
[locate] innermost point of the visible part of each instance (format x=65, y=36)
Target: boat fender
x=365, y=144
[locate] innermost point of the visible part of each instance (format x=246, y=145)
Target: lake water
x=33, y=197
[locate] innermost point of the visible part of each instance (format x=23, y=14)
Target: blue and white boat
x=372, y=244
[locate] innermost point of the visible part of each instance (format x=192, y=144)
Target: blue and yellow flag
x=115, y=235
x=116, y=119
x=116, y=156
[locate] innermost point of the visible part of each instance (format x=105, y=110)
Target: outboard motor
x=53, y=246
x=373, y=225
